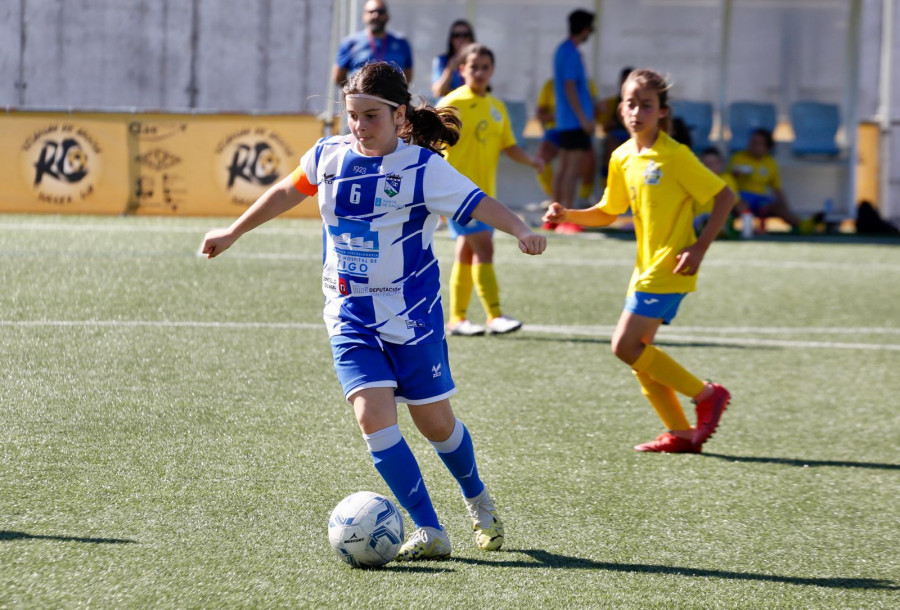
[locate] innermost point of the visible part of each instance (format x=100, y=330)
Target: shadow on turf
x=801, y=462
x=545, y=559
x=8, y=535
x=605, y=340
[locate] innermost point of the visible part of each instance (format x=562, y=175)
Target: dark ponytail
x=430, y=127
x=425, y=126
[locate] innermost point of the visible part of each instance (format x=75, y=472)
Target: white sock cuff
x=453, y=442
x=383, y=439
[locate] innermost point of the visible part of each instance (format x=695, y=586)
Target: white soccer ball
x=365, y=529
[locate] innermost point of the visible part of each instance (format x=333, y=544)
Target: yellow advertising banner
x=63, y=164
x=214, y=165
x=148, y=164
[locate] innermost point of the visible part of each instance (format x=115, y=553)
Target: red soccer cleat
x=569, y=228
x=709, y=412
x=669, y=443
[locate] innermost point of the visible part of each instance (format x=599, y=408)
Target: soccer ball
x=365, y=529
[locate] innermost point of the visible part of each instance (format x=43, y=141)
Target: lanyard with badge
x=376, y=54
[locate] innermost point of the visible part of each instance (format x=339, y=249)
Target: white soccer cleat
x=464, y=328
x=485, y=521
x=502, y=325
x=425, y=543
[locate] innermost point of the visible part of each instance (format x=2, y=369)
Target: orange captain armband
x=302, y=184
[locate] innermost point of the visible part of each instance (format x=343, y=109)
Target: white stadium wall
x=172, y=55
x=275, y=56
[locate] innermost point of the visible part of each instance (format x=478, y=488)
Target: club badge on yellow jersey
x=652, y=173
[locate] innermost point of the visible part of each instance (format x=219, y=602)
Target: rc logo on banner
x=249, y=161
x=62, y=163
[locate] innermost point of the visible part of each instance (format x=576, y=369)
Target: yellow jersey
x=485, y=132
x=754, y=175
x=660, y=184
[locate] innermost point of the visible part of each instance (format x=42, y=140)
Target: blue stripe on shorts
x=652, y=305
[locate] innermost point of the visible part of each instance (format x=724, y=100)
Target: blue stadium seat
x=815, y=128
x=744, y=117
x=698, y=116
x=518, y=118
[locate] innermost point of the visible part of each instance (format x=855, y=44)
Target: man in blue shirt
x=374, y=43
x=574, y=112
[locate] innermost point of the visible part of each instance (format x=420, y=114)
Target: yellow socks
x=487, y=288
x=586, y=189
x=665, y=402
x=545, y=179
x=663, y=369
x=460, y=291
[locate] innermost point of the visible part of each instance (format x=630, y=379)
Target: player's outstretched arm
x=494, y=213
x=280, y=198
x=520, y=155
x=591, y=217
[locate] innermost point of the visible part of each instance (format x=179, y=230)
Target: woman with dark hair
x=445, y=76
x=381, y=189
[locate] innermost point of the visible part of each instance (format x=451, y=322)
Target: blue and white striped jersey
x=380, y=275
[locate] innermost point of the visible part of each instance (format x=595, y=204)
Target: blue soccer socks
x=399, y=469
x=458, y=455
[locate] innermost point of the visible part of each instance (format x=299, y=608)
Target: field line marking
x=697, y=334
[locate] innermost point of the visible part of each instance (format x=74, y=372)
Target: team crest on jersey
x=652, y=173
x=392, y=185
x=495, y=114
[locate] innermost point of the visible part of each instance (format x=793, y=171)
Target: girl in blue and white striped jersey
x=381, y=191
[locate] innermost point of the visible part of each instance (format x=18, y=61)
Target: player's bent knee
x=624, y=351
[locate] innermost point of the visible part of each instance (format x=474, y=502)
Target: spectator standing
x=574, y=113
x=374, y=43
x=548, y=149
x=445, y=76
x=485, y=133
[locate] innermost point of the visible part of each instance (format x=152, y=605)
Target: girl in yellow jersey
x=659, y=179
x=485, y=133
x=759, y=182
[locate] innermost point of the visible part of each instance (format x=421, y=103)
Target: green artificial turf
x=172, y=433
